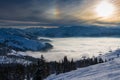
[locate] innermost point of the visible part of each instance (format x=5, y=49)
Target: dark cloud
x=12, y=2
x=25, y=10
x=44, y=11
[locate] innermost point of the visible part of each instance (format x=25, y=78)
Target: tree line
x=41, y=69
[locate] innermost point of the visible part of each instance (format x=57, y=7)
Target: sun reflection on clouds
x=104, y=11
x=53, y=13
x=64, y=11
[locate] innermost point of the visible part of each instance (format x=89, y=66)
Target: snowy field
x=77, y=47
x=104, y=71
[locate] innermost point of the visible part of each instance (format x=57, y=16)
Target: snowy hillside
x=109, y=70
x=104, y=71
x=14, y=43
x=8, y=56
x=9, y=60
x=19, y=40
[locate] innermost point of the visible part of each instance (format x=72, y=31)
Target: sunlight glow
x=105, y=9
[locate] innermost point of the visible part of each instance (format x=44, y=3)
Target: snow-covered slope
x=17, y=39
x=112, y=54
x=109, y=70
x=8, y=56
x=104, y=71
x=11, y=60
x=13, y=43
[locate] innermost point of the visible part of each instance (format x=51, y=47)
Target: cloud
x=65, y=12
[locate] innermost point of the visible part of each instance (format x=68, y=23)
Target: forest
x=40, y=68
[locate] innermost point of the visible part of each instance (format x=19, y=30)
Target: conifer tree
x=66, y=66
x=101, y=60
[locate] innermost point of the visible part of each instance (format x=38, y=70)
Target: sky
x=59, y=12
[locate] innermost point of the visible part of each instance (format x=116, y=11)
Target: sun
x=105, y=9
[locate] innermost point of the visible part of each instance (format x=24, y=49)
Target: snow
x=17, y=53
x=112, y=54
x=104, y=71
x=22, y=43
x=26, y=40
x=20, y=40
x=8, y=60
